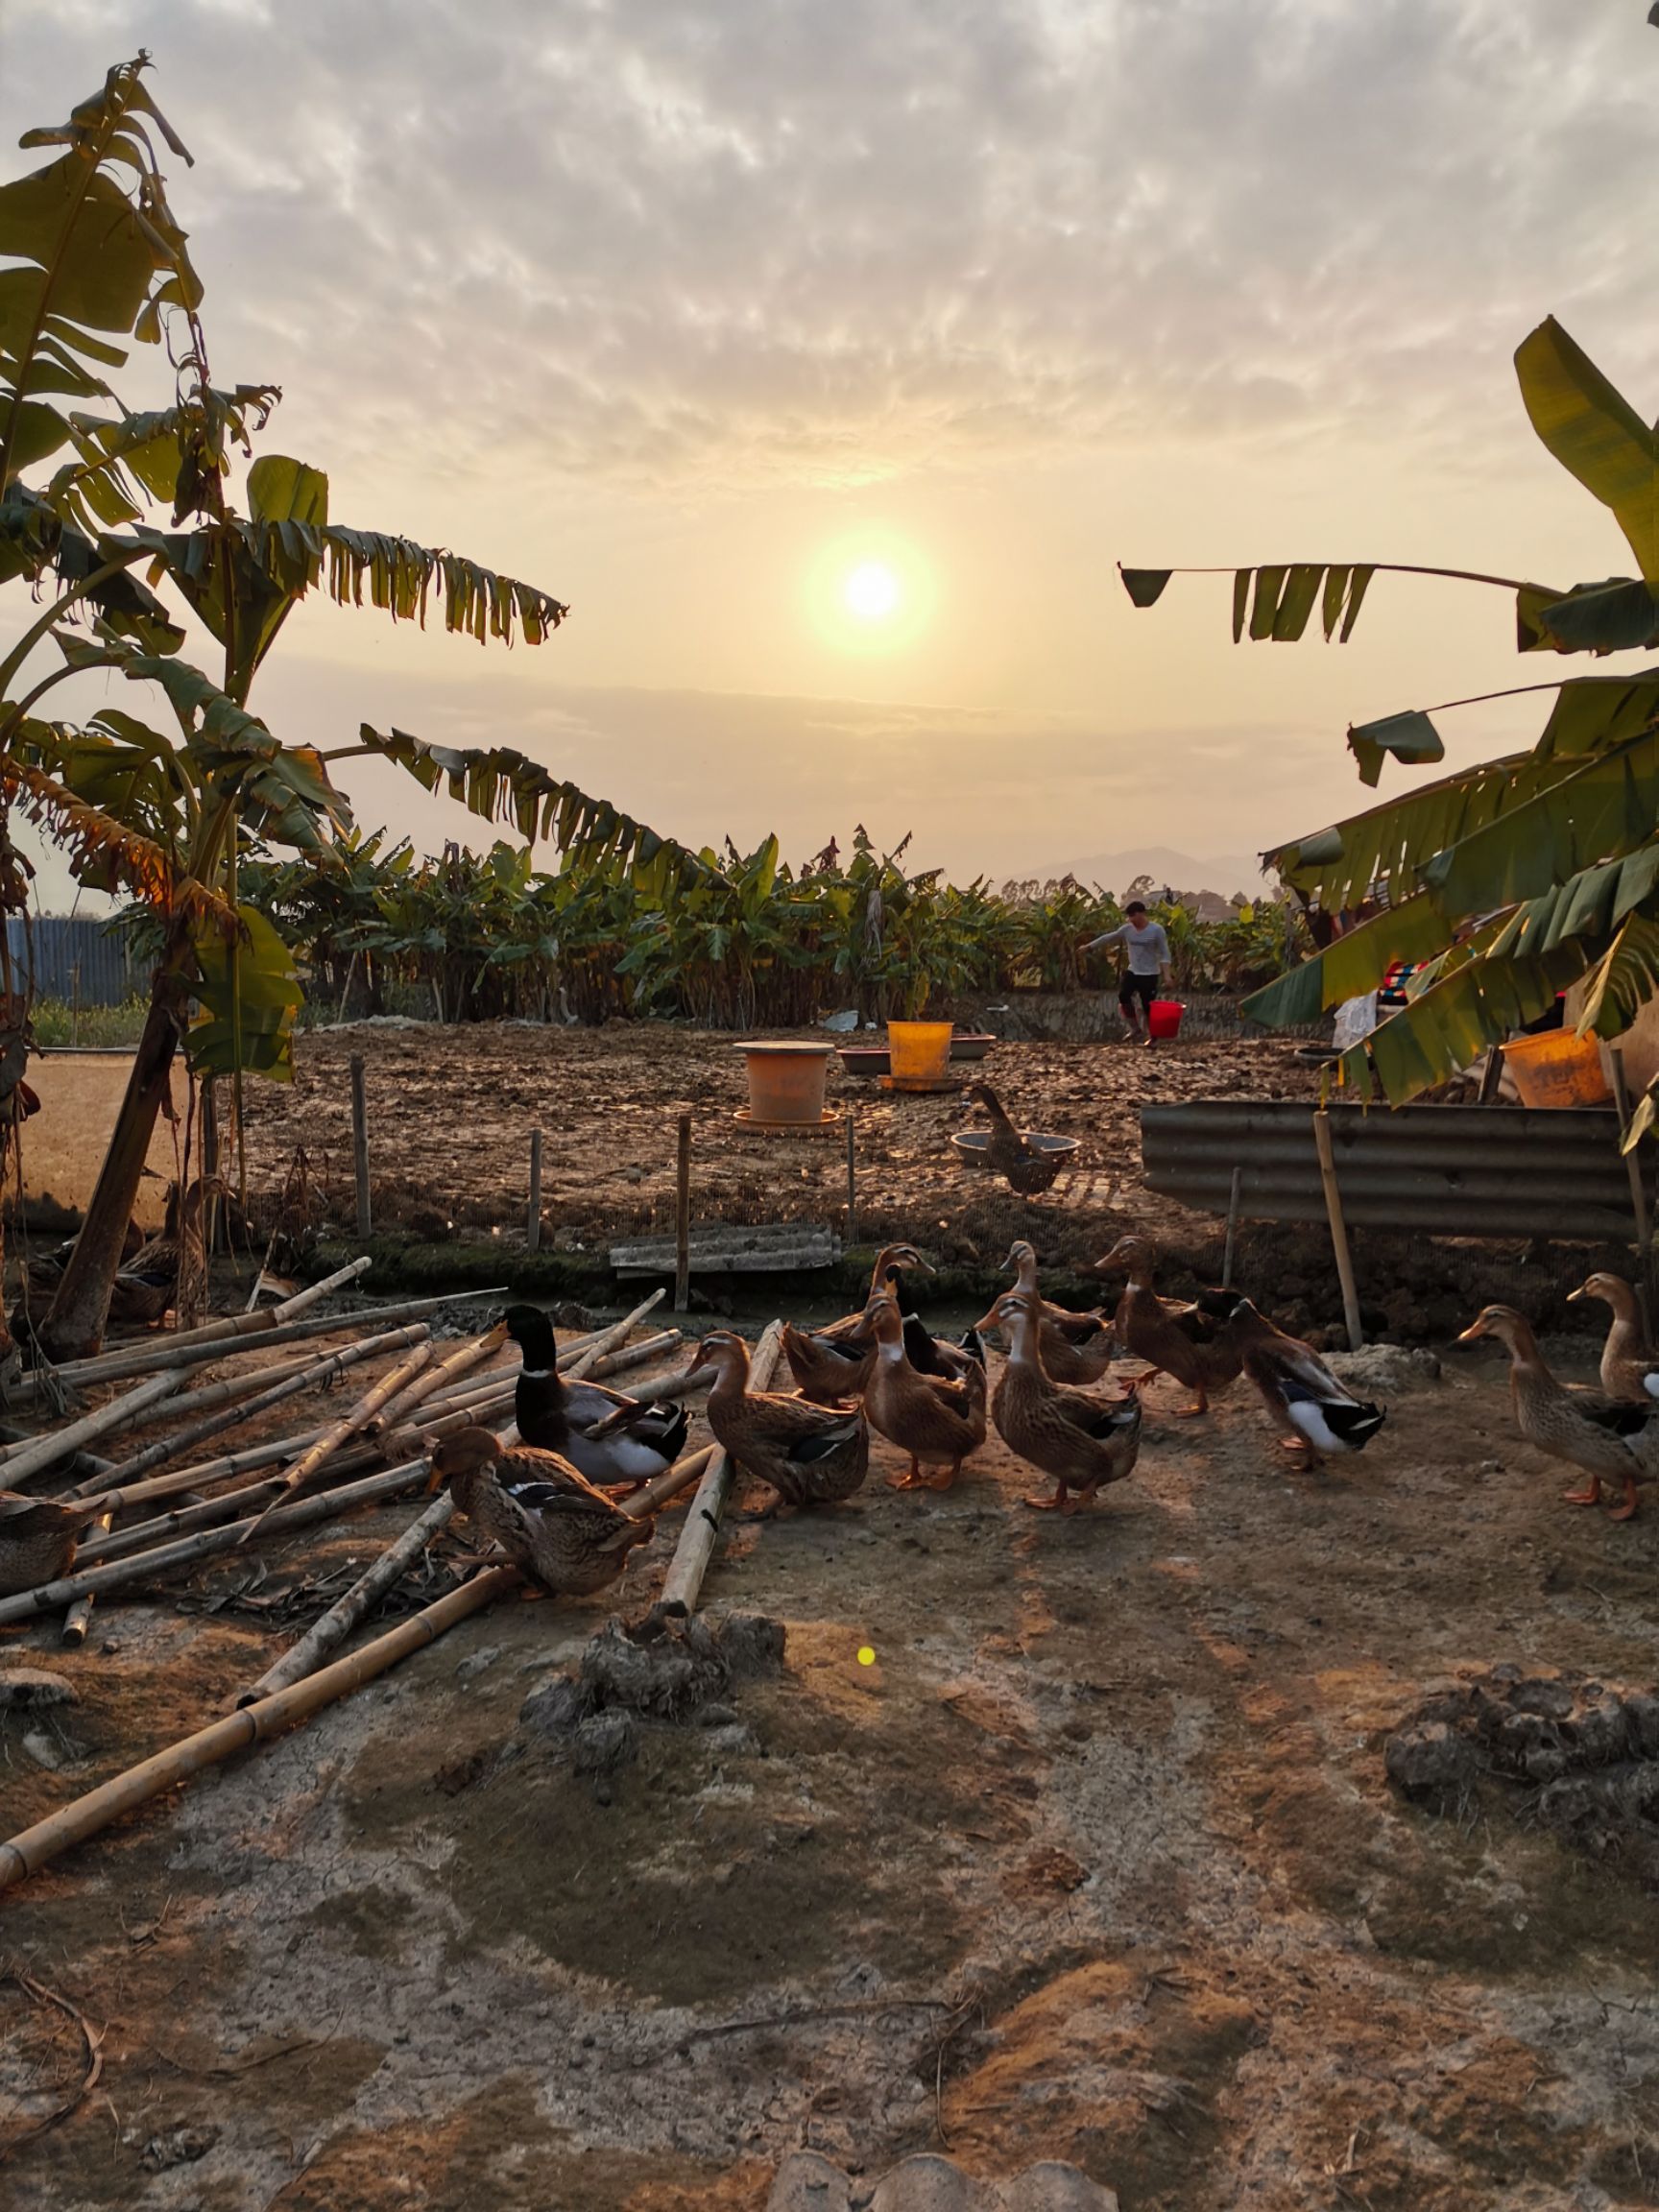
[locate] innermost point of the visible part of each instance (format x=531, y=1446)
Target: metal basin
x=973, y=1144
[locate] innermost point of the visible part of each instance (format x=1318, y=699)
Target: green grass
x=57, y=1022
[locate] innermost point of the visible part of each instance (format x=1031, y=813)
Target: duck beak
x=1474, y=1329
x=1582, y=1291
x=987, y=1321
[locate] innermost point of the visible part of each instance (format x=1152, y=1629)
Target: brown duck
x=808, y=1455
x=1186, y=1341
x=937, y=1420
x=1629, y=1370
x=1082, y=1441
x=39, y=1538
x=832, y=1364
x=1609, y=1439
x=1073, y=1347
x=1022, y=1168
x=552, y=1522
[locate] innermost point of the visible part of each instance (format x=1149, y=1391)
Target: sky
x=691, y=313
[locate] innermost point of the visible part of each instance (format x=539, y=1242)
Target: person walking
x=1149, y=962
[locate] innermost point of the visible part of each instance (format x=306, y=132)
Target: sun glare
x=872, y=592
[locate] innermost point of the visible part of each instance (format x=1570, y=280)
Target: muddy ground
x=1098, y=1861
x=450, y=1112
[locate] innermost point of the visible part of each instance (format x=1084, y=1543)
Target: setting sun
x=872, y=592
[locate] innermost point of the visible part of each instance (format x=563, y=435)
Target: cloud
x=761, y=241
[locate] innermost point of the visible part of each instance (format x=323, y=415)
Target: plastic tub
x=1164, y=1018
x=1557, y=1068
x=919, y=1050
x=786, y=1082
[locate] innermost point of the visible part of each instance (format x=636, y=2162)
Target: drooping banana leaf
x=250, y=993
x=91, y=258
x=1595, y=433
x=504, y=785
x=1409, y=736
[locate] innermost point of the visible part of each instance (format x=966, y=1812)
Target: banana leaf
x=250, y=992
x=1595, y=433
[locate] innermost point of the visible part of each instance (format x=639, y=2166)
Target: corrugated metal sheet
x=1452, y=1171
x=50, y=947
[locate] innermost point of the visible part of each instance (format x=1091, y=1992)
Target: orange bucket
x=1557, y=1068
x=920, y=1051
x=786, y=1082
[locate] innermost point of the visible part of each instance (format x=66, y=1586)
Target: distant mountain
x=1225, y=871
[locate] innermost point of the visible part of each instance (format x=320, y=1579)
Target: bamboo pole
x=193, y=1353
x=183, y=1347
x=1231, y=1228
x=682, y=1214
x=34, y=1847
x=79, y=1618
x=438, y=1378
x=533, y=1218
x=1638, y=1195
x=606, y=1341
x=1338, y=1228
x=683, y=1580
x=360, y=1146
x=140, y=1566
x=337, y=1624
x=351, y=1422
x=242, y=1498
x=293, y=1378
x=26, y=1459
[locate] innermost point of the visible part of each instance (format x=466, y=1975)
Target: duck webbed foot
x=946, y=1476
x=912, y=1480
x=1055, y=1505
x=1590, y=1495
x=1627, y=1510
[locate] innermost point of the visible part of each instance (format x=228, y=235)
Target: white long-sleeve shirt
x=1148, y=945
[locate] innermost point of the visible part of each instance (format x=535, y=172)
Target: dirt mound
x=1576, y=1757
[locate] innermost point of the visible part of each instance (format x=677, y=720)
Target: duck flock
x=555, y=1499
x=558, y=1493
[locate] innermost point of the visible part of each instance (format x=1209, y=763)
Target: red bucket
x=1164, y=1018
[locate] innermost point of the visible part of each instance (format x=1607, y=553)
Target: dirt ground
x=450, y=1112
x=1098, y=1861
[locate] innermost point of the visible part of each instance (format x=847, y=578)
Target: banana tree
x=101, y=263
x=1509, y=881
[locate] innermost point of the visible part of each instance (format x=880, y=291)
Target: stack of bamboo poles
x=377, y=1450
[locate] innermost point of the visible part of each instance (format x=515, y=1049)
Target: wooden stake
x=682, y=1215
x=533, y=1222
x=22, y=1460
x=1231, y=1228
x=1338, y=1228
x=360, y=1146
x=259, y=1278
x=852, y=1181
x=683, y=1583
x=355, y=1418
x=1638, y=1195
x=25, y=1853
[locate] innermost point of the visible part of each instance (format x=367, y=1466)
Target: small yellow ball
x=866, y=1657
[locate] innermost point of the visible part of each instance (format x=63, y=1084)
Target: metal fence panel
x=49, y=949
x=1449, y=1171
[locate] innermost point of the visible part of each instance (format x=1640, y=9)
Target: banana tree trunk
x=75, y=1325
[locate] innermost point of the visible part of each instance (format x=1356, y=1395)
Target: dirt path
x=1096, y=1862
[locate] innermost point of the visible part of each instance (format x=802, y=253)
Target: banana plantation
x=743, y=940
